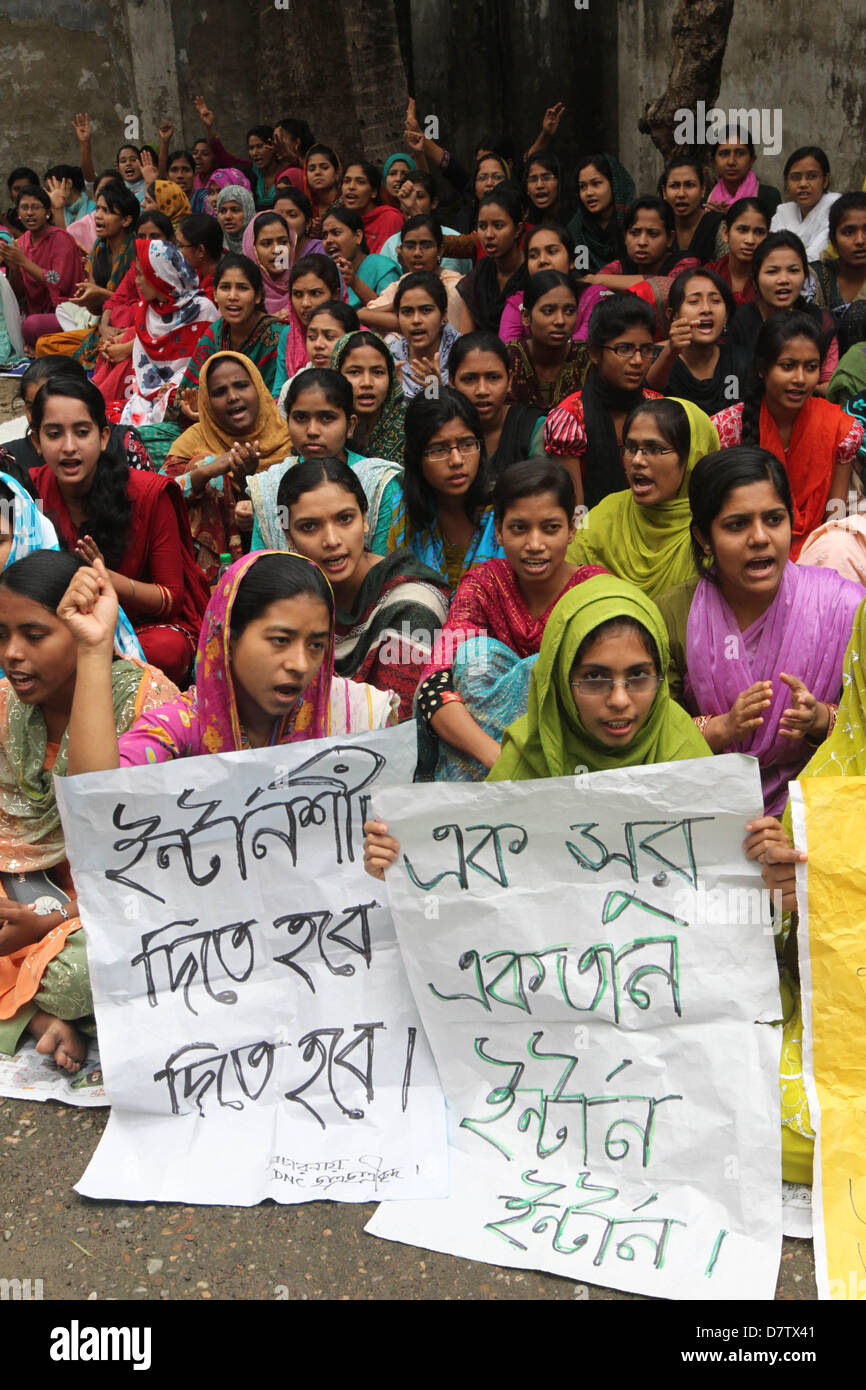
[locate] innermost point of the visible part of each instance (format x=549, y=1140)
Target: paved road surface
x=83, y=1249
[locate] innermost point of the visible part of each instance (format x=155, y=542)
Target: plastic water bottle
x=225, y=561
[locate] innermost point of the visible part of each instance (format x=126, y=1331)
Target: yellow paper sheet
x=830, y=824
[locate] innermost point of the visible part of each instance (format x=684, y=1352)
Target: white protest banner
x=594, y=966
x=256, y=1028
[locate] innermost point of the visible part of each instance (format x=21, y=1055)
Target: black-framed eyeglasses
x=630, y=450
x=648, y=351
x=466, y=447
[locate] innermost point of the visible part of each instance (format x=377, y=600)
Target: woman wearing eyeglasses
x=642, y=534
x=585, y=431
x=542, y=189
x=445, y=507
x=598, y=699
x=757, y=643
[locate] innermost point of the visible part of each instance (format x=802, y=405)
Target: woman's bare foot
x=58, y=1038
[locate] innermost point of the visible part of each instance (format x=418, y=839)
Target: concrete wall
x=53, y=67
x=491, y=65
x=478, y=64
x=115, y=58
x=805, y=60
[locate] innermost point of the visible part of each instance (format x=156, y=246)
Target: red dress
x=822, y=438
x=159, y=550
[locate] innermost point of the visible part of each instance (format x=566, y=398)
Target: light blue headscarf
x=32, y=530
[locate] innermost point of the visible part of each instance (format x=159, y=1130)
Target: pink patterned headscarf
x=276, y=287
x=222, y=178
x=219, y=725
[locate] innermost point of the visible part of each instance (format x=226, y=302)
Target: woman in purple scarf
x=757, y=643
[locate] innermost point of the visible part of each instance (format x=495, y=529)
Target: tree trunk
x=337, y=64
x=700, y=35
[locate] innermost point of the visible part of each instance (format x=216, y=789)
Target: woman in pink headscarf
x=250, y=692
x=270, y=243
x=223, y=178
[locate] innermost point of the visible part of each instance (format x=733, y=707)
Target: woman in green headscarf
x=603, y=631
x=643, y=534
x=598, y=699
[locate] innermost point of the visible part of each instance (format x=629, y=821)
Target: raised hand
x=148, y=166
x=89, y=607
x=81, y=126
x=552, y=117
x=166, y=130
x=58, y=191
x=412, y=122
x=189, y=402
x=204, y=111
x=680, y=334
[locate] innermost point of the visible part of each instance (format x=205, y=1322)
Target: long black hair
x=313, y=473
x=365, y=337
x=541, y=283
x=423, y=418
x=41, y=368
x=299, y=129
x=680, y=286
x=773, y=242
x=775, y=332
x=482, y=340
x=549, y=161
x=236, y=260
x=351, y=219
x=276, y=577
x=320, y=265
x=808, y=152
x=109, y=507
x=715, y=477
x=333, y=385
x=43, y=576
x=533, y=478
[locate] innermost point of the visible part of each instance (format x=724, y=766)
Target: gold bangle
x=132, y=582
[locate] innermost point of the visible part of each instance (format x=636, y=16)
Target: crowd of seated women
x=565, y=474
